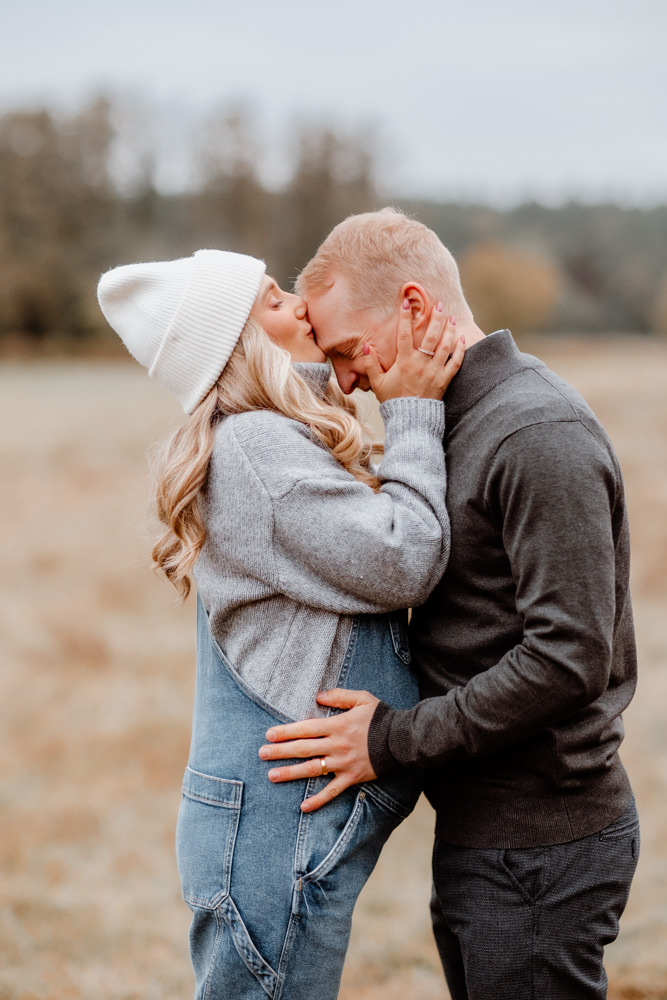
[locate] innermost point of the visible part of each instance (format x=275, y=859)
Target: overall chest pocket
x=205, y=836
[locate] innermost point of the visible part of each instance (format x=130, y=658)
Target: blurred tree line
x=68, y=212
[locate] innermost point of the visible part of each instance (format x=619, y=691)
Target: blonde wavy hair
x=258, y=376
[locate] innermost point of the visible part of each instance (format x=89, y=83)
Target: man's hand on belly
x=335, y=744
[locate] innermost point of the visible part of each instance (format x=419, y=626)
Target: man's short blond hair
x=376, y=253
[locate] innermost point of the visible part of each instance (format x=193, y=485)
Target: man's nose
x=347, y=379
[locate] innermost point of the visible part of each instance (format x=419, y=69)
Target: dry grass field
x=96, y=683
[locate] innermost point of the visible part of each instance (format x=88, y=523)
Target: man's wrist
x=382, y=760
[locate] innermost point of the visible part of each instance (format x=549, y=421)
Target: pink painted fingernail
x=406, y=303
x=366, y=349
x=452, y=320
x=463, y=339
x=439, y=307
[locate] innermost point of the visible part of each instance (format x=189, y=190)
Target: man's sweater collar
x=486, y=364
x=316, y=375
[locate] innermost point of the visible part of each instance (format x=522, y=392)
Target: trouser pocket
x=227, y=963
x=207, y=825
x=340, y=843
x=337, y=849
x=624, y=826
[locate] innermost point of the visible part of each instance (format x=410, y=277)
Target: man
x=525, y=649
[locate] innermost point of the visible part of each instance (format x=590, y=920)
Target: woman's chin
x=314, y=355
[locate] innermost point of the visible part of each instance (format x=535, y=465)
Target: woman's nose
x=301, y=309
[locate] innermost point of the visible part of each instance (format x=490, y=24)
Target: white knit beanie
x=181, y=319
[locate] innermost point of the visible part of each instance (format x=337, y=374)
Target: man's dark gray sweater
x=525, y=649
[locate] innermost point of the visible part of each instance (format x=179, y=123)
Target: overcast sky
x=488, y=99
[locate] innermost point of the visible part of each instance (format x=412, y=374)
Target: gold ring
x=424, y=351
x=323, y=765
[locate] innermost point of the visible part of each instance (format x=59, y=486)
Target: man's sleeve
x=552, y=487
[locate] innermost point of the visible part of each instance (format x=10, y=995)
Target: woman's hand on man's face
x=334, y=744
x=423, y=371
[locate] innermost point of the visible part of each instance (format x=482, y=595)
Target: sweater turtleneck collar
x=486, y=364
x=315, y=374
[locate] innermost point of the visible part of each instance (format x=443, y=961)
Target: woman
x=303, y=558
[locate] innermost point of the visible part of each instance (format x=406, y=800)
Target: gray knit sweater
x=525, y=649
x=296, y=546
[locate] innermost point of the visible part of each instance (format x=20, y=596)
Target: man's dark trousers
x=532, y=923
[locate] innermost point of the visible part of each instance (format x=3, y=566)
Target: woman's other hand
x=423, y=371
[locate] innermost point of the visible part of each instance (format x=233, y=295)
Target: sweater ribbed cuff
x=380, y=755
x=415, y=414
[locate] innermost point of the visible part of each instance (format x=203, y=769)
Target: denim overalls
x=271, y=888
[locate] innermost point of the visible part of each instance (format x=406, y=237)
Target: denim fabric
x=271, y=888
x=532, y=923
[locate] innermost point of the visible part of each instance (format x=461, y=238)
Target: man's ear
x=420, y=303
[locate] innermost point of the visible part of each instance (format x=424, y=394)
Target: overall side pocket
x=205, y=836
x=368, y=825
